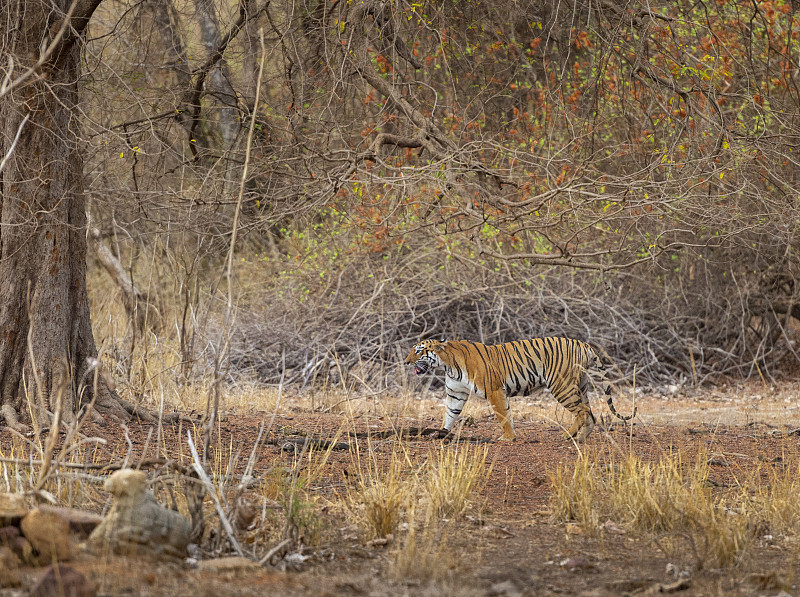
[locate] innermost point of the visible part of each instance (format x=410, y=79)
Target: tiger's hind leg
x=583, y=420
x=499, y=402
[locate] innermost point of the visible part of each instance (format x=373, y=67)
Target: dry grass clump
x=383, y=496
x=448, y=483
x=294, y=493
x=380, y=498
x=65, y=476
x=423, y=552
x=416, y=505
x=673, y=502
x=776, y=501
x=660, y=497
x=575, y=492
x=452, y=476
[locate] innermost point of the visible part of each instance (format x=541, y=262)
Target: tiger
x=499, y=371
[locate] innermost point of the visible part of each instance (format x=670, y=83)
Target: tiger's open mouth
x=420, y=368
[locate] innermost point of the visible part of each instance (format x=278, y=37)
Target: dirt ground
x=509, y=546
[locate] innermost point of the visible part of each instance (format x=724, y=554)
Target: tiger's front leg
x=499, y=402
x=453, y=406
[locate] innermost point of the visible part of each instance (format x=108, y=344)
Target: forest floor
x=508, y=543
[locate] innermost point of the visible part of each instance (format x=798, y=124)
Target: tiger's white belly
x=521, y=386
x=457, y=386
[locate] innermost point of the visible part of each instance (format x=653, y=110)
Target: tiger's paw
x=505, y=438
x=579, y=436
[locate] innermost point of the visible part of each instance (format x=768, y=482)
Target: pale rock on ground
x=12, y=508
x=229, y=564
x=11, y=538
x=48, y=533
x=80, y=522
x=137, y=523
x=9, y=565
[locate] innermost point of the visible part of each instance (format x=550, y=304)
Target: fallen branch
x=310, y=442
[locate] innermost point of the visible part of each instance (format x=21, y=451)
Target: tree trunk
x=219, y=78
x=45, y=330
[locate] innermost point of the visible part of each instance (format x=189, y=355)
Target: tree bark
x=45, y=328
x=219, y=78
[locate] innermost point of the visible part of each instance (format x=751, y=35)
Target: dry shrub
x=64, y=481
x=289, y=494
x=574, y=495
x=441, y=489
x=660, y=497
x=449, y=480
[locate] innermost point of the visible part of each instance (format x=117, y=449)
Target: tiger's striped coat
x=499, y=371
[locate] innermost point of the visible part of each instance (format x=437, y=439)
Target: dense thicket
x=623, y=172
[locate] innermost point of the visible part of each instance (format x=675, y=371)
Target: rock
x=612, y=527
x=231, y=564
x=24, y=551
x=293, y=561
x=80, y=522
x=48, y=533
x=497, y=531
x=58, y=579
x=505, y=588
x=137, y=523
x=647, y=586
x=380, y=541
x=12, y=508
x=766, y=581
x=635, y=585
x=10, y=537
x=8, y=533
x=126, y=482
x=575, y=564
x=9, y=565
x=573, y=528
x=673, y=587
x=244, y=512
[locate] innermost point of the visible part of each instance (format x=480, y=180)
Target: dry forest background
x=296, y=191
x=256, y=207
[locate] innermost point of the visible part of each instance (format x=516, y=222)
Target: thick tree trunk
x=45, y=330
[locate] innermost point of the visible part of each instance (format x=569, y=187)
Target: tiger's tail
x=606, y=385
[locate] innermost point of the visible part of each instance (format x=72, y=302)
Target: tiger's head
x=425, y=355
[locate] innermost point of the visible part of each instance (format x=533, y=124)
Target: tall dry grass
x=417, y=505
x=776, y=502
x=381, y=498
x=452, y=477
x=670, y=500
